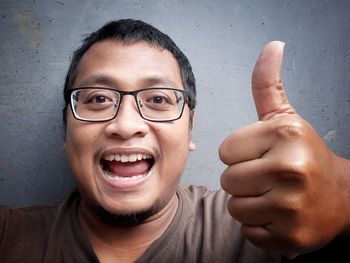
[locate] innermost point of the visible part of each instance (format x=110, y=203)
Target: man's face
x=137, y=185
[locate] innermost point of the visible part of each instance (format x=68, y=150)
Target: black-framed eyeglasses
x=96, y=104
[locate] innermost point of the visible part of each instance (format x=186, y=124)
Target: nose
x=128, y=123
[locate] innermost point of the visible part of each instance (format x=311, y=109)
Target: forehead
x=127, y=63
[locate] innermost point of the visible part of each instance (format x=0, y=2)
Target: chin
x=124, y=218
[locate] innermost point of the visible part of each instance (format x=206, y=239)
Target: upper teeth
x=127, y=157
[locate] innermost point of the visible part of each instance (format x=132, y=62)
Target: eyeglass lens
x=102, y=104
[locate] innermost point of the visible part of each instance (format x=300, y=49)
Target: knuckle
x=291, y=206
x=298, y=238
x=293, y=232
x=290, y=128
x=296, y=167
x=292, y=169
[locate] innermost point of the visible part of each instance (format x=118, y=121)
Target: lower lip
x=120, y=182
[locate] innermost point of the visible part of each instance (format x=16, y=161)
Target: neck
x=125, y=244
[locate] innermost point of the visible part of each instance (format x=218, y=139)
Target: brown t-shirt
x=201, y=231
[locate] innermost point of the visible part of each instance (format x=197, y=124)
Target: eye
x=157, y=100
x=98, y=99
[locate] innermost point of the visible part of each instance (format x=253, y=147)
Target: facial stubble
x=126, y=219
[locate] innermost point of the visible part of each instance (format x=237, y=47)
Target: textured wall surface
x=222, y=39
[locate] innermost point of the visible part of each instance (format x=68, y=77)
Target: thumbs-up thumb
x=268, y=91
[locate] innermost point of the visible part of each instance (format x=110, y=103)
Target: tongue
x=128, y=168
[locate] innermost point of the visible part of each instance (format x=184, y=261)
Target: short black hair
x=130, y=31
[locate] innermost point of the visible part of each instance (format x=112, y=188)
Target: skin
x=289, y=190
x=127, y=67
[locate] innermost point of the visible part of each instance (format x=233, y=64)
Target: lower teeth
x=122, y=178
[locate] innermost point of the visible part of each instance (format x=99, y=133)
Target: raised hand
x=289, y=191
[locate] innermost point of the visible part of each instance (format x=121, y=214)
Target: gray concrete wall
x=222, y=39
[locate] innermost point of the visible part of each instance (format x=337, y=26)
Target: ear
x=191, y=145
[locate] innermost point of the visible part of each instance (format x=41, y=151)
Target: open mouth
x=126, y=167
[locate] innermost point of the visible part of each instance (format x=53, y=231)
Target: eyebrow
x=97, y=79
x=159, y=80
x=149, y=81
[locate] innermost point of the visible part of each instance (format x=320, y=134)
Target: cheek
x=80, y=141
x=173, y=141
